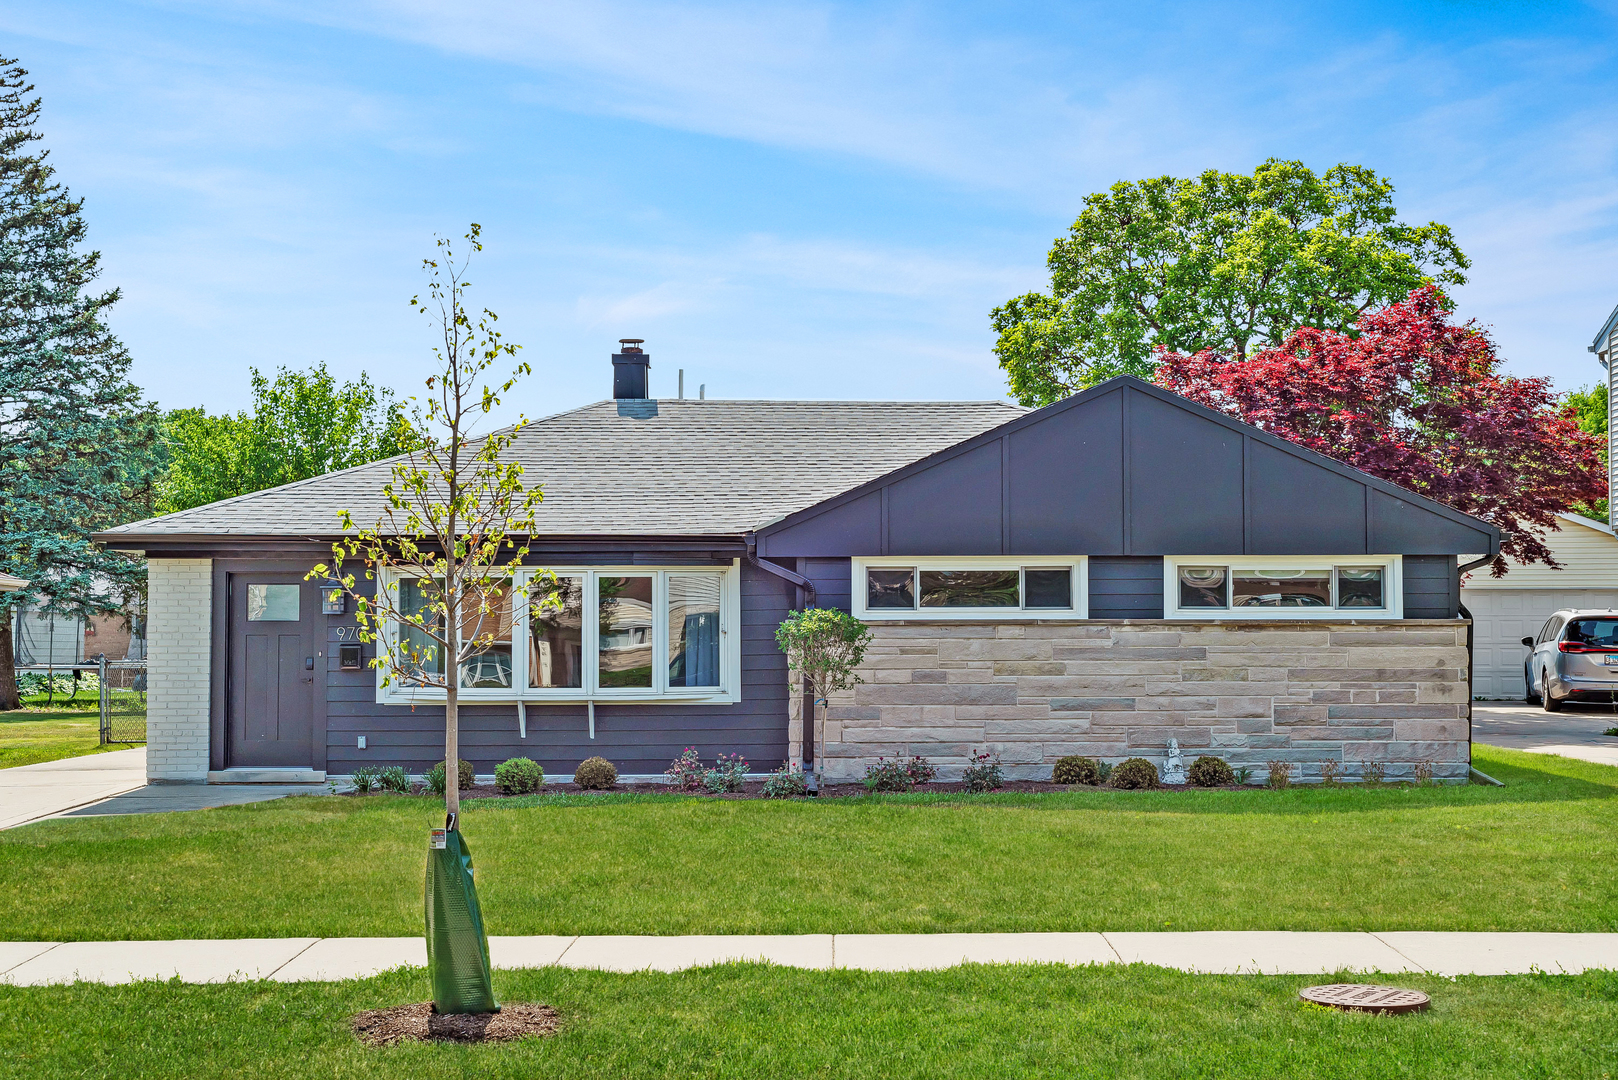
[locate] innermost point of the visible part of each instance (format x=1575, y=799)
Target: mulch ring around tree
x=418, y=1023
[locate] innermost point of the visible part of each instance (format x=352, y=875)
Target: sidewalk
x=1258, y=952
x=31, y=792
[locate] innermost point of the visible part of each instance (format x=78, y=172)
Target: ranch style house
x=1098, y=577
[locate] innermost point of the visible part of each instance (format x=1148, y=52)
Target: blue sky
x=786, y=200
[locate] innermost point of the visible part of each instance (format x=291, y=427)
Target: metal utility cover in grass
x=1362, y=997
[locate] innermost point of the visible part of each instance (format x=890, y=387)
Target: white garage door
x=1503, y=617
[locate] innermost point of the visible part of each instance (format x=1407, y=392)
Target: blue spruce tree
x=78, y=447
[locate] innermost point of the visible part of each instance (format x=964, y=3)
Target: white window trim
x=1078, y=564
x=729, y=691
x=1392, y=586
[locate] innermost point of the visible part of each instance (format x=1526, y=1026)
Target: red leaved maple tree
x=1420, y=400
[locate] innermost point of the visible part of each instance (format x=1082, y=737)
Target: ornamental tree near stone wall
x=1418, y=399
x=824, y=646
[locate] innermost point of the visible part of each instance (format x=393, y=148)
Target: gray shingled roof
x=639, y=468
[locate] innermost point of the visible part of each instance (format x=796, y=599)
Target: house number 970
x=348, y=633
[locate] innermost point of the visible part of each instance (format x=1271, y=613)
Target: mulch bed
x=755, y=789
x=418, y=1023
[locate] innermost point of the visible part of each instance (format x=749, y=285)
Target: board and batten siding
x=638, y=739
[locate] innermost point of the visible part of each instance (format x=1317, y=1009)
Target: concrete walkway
x=1575, y=732
x=31, y=792
x=1212, y=952
x=166, y=798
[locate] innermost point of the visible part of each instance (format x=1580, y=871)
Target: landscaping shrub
x=595, y=774
x=1103, y=770
x=394, y=778
x=519, y=776
x=1135, y=773
x=897, y=775
x=1209, y=771
x=366, y=778
x=686, y=772
x=1244, y=775
x=1280, y=775
x=1424, y=773
x=1373, y=773
x=1330, y=773
x=727, y=774
x=435, y=778
x=787, y=782
x=1074, y=769
x=984, y=773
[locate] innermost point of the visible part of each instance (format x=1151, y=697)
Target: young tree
x=1420, y=400
x=436, y=583
x=302, y=424
x=824, y=646
x=1226, y=263
x=76, y=442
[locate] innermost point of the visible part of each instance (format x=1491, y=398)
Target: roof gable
x=1127, y=468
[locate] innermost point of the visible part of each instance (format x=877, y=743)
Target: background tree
x=78, y=448
x=1419, y=400
x=439, y=566
x=1225, y=263
x=302, y=424
x=1588, y=407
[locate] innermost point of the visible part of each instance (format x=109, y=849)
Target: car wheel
x=1546, y=700
x=1528, y=681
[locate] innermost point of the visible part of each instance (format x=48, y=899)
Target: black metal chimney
x=631, y=370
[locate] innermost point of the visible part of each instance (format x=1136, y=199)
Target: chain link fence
x=117, y=686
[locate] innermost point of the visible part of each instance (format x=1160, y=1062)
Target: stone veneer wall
x=1252, y=692
x=179, y=628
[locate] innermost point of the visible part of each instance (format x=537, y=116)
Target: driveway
x=1574, y=732
x=31, y=792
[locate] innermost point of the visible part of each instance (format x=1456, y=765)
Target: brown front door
x=272, y=670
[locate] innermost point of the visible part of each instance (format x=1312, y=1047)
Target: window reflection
x=422, y=654
x=556, y=635
x=694, y=630
x=970, y=588
x=488, y=618
x=624, y=640
x=1281, y=588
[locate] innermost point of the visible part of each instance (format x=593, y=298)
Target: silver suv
x=1574, y=658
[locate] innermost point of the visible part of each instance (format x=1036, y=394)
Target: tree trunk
x=452, y=746
x=9, y=697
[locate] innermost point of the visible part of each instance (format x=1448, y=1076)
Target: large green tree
x=1227, y=262
x=1588, y=408
x=302, y=424
x=76, y=441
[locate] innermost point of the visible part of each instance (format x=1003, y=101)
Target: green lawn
x=1536, y=855
x=47, y=729
x=755, y=1021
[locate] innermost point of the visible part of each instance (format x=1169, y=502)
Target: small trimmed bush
x=366, y=778
x=984, y=773
x=1074, y=769
x=727, y=775
x=1134, y=774
x=1209, y=771
x=595, y=774
x=394, y=778
x=1280, y=775
x=686, y=772
x=518, y=776
x=787, y=782
x=435, y=778
x=896, y=775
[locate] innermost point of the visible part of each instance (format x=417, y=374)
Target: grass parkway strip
x=749, y=1020
x=1535, y=855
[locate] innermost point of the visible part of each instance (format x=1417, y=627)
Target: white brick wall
x=179, y=633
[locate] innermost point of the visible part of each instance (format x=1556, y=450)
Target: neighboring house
x=1605, y=346
x=1099, y=576
x=1507, y=609
x=43, y=638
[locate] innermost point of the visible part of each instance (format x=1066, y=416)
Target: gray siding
x=1432, y=587
x=834, y=581
x=1126, y=587
x=1125, y=469
x=636, y=738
